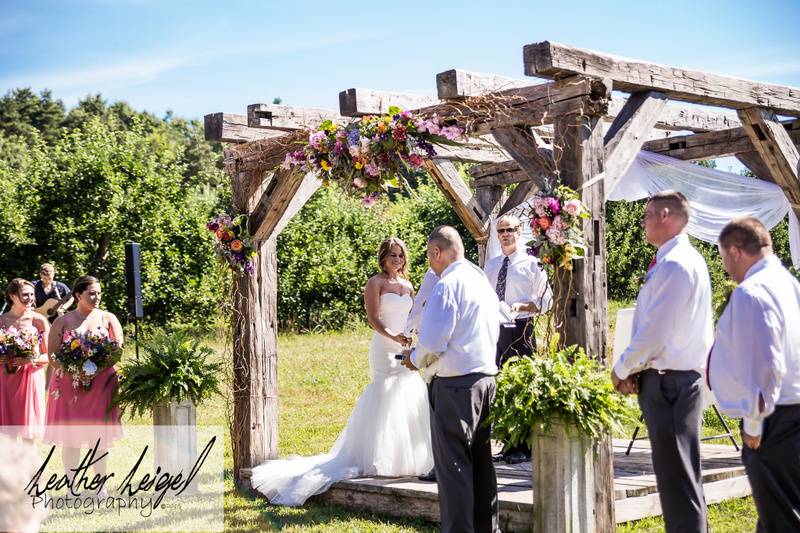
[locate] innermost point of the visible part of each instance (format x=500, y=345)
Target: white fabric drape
x=716, y=197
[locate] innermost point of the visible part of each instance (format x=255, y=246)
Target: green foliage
x=329, y=250
x=174, y=367
x=566, y=386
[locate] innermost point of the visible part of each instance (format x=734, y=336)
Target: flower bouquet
x=84, y=355
x=232, y=243
x=556, y=214
x=373, y=153
x=18, y=343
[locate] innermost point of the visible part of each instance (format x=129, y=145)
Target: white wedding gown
x=388, y=433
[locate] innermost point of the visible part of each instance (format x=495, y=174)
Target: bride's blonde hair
x=386, y=249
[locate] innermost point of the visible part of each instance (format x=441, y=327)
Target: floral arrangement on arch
x=14, y=343
x=556, y=214
x=84, y=355
x=232, y=242
x=373, y=153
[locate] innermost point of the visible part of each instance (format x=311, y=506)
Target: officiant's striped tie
x=500, y=289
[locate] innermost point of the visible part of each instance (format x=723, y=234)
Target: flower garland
x=556, y=214
x=232, y=242
x=374, y=153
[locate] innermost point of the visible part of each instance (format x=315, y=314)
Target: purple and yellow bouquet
x=373, y=153
x=18, y=343
x=232, y=243
x=556, y=215
x=84, y=355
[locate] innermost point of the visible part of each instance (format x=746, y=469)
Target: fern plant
x=174, y=367
x=562, y=386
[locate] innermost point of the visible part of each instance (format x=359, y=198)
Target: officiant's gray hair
x=447, y=238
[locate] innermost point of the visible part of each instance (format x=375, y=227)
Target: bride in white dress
x=388, y=432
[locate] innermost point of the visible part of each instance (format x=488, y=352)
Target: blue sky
x=200, y=57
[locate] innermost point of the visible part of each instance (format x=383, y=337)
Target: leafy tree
x=24, y=114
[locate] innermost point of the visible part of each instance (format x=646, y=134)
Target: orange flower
x=220, y=233
x=237, y=245
x=544, y=223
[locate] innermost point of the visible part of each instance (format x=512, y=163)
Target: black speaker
x=133, y=274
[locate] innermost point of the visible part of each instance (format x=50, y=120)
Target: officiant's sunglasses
x=500, y=231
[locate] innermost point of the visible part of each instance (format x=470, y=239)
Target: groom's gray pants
x=672, y=405
x=462, y=453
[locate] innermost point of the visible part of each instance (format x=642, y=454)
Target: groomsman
x=754, y=370
x=520, y=282
x=672, y=333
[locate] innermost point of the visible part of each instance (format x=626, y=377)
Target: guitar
x=52, y=309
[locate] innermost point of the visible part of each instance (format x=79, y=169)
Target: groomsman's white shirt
x=460, y=323
x=525, y=281
x=672, y=324
x=757, y=349
x=415, y=315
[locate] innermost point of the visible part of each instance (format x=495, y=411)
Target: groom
x=460, y=325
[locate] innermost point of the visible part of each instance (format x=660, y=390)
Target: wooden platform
x=635, y=489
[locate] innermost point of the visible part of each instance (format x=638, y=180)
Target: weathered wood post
x=254, y=431
x=579, y=155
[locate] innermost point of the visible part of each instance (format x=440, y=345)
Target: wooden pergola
x=529, y=130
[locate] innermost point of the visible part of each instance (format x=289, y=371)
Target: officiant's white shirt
x=673, y=322
x=757, y=348
x=525, y=280
x=460, y=323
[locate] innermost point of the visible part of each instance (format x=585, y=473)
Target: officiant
x=522, y=288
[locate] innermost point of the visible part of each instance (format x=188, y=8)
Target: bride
x=388, y=433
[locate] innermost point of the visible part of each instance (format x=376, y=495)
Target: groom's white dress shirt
x=525, y=280
x=757, y=348
x=415, y=315
x=673, y=321
x=460, y=323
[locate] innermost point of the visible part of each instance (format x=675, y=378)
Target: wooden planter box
x=175, y=426
x=563, y=481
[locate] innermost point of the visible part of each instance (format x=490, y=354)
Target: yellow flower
x=359, y=165
x=325, y=165
x=74, y=344
x=381, y=127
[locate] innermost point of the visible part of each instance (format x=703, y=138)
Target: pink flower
x=429, y=125
x=354, y=151
x=452, y=132
x=358, y=182
x=539, y=205
x=556, y=236
x=573, y=207
x=372, y=169
x=554, y=205
x=369, y=200
x=317, y=139
x=415, y=160
x=399, y=133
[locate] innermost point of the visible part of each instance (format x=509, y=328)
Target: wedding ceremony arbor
x=562, y=121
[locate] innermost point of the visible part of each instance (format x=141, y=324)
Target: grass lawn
x=320, y=378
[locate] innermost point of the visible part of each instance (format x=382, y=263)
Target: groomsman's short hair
x=675, y=201
x=746, y=233
x=512, y=219
x=446, y=238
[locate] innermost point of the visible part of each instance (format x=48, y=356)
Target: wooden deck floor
x=635, y=489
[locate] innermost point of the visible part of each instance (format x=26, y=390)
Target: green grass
x=319, y=379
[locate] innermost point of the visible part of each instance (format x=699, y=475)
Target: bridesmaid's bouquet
x=84, y=355
x=18, y=343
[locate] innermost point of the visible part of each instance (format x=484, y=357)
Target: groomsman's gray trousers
x=774, y=471
x=672, y=405
x=462, y=453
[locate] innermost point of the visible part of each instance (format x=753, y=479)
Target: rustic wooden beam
x=457, y=84
x=230, y=128
x=534, y=157
x=628, y=132
x=308, y=187
x=461, y=198
x=490, y=199
x=777, y=150
x=753, y=161
x=554, y=60
x=708, y=145
x=359, y=102
x=275, y=199
x=525, y=106
x=264, y=155
x=579, y=154
x=288, y=118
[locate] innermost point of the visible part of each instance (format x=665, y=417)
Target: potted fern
x=172, y=377
x=562, y=402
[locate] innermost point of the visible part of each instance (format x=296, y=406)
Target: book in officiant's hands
x=507, y=316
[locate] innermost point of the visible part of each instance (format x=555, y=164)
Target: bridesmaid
x=22, y=381
x=70, y=407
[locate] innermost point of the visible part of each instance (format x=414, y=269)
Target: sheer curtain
x=715, y=196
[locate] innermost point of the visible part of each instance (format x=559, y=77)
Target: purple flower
x=452, y=132
x=248, y=267
x=427, y=147
x=353, y=137
x=317, y=139
x=372, y=169
x=370, y=200
x=554, y=205
x=213, y=226
x=338, y=148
